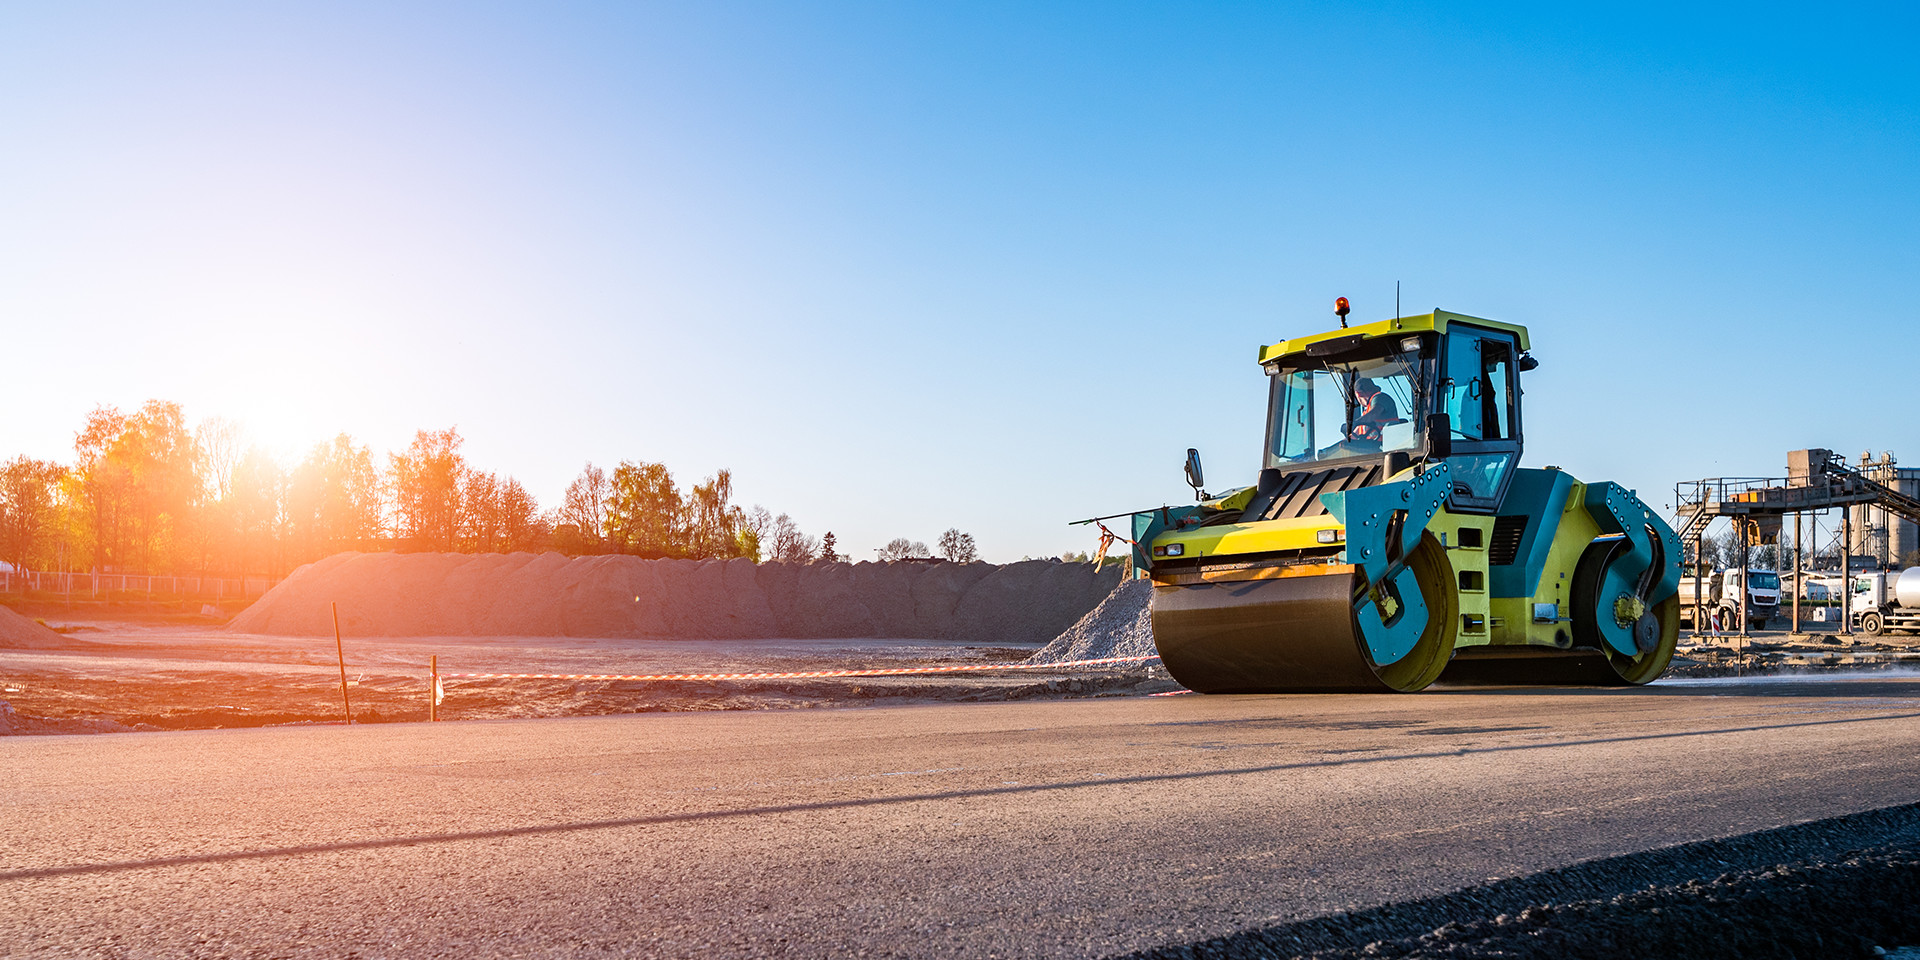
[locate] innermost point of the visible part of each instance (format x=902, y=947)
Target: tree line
x=145, y=493
x=1722, y=551
x=955, y=546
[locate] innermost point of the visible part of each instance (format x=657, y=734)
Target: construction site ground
x=147, y=670
x=133, y=667
x=1766, y=652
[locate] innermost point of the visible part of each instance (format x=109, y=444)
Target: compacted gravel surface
x=1074, y=828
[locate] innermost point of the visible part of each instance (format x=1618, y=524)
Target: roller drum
x=1295, y=634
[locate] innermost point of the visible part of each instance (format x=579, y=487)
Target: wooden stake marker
x=346, y=705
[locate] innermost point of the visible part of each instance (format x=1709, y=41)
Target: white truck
x=1726, y=590
x=1887, y=602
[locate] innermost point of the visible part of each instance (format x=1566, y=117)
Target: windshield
x=1765, y=581
x=1326, y=411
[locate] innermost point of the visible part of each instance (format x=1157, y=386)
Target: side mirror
x=1195, y=478
x=1439, y=436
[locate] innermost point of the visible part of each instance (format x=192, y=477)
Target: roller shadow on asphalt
x=1600, y=908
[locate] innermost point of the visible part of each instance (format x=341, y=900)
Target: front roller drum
x=1591, y=661
x=1298, y=634
x=1655, y=633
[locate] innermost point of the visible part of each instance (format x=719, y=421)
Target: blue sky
x=903, y=267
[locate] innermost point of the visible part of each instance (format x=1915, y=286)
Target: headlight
x=1170, y=550
x=1330, y=535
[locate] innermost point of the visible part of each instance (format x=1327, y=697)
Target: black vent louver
x=1298, y=494
x=1507, y=533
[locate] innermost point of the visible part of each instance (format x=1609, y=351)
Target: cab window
x=1479, y=387
x=1477, y=392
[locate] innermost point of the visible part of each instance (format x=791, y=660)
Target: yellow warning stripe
x=1272, y=572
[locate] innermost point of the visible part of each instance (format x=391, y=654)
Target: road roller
x=1392, y=539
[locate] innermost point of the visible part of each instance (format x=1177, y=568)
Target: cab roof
x=1436, y=321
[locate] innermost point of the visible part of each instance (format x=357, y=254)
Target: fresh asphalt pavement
x=1060, y=828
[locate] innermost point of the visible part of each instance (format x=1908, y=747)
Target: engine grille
x=1507, y=534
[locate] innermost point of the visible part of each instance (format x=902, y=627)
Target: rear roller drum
x=1655, y=629
x=1298, y=634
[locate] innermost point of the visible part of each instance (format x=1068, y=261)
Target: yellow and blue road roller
x=1392, y=538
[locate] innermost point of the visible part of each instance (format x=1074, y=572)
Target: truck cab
x=1726, y=590
x=1760, y=589
x=1887, y=602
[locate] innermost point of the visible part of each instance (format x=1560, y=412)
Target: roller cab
x=1392, y=539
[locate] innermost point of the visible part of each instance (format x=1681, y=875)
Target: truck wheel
x=1870, y=624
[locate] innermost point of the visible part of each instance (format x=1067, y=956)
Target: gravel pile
x=19, y=633
x=1843, y=887
x=550, y=595
x=1121, y=626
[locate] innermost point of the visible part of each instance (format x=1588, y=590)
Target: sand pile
x=19, y=633
x=1121, y=626
x=548, y=595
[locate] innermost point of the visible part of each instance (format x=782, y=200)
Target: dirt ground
x=141, y=668
x=1779, y=651
x=153, y=670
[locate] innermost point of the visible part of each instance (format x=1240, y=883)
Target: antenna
x=1396, y=299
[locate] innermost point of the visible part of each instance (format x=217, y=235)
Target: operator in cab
x=1372, y=411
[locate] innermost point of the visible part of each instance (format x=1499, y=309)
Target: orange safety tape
x=808, y=674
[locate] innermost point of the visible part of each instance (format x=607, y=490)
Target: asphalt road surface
x=1062, y=828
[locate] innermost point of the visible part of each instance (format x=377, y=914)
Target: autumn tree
x=499, y=516
x=585, y=503
x=255, y=511
x=480, y=512
x=221, y=443
x=104, y=482
x=166, y=486
x=138, y=483
x=756, y=532
x=958, y=547
x=29, y=505
x=644, y=511
x=520, y=524
x=714, y=523
x=333, y=500
x=427, y=500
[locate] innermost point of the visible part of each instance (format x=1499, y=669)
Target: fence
x=153, y=586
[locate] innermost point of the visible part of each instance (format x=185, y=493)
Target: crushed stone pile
x=1121, y=626
x=19, y=633
x=551, y=595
